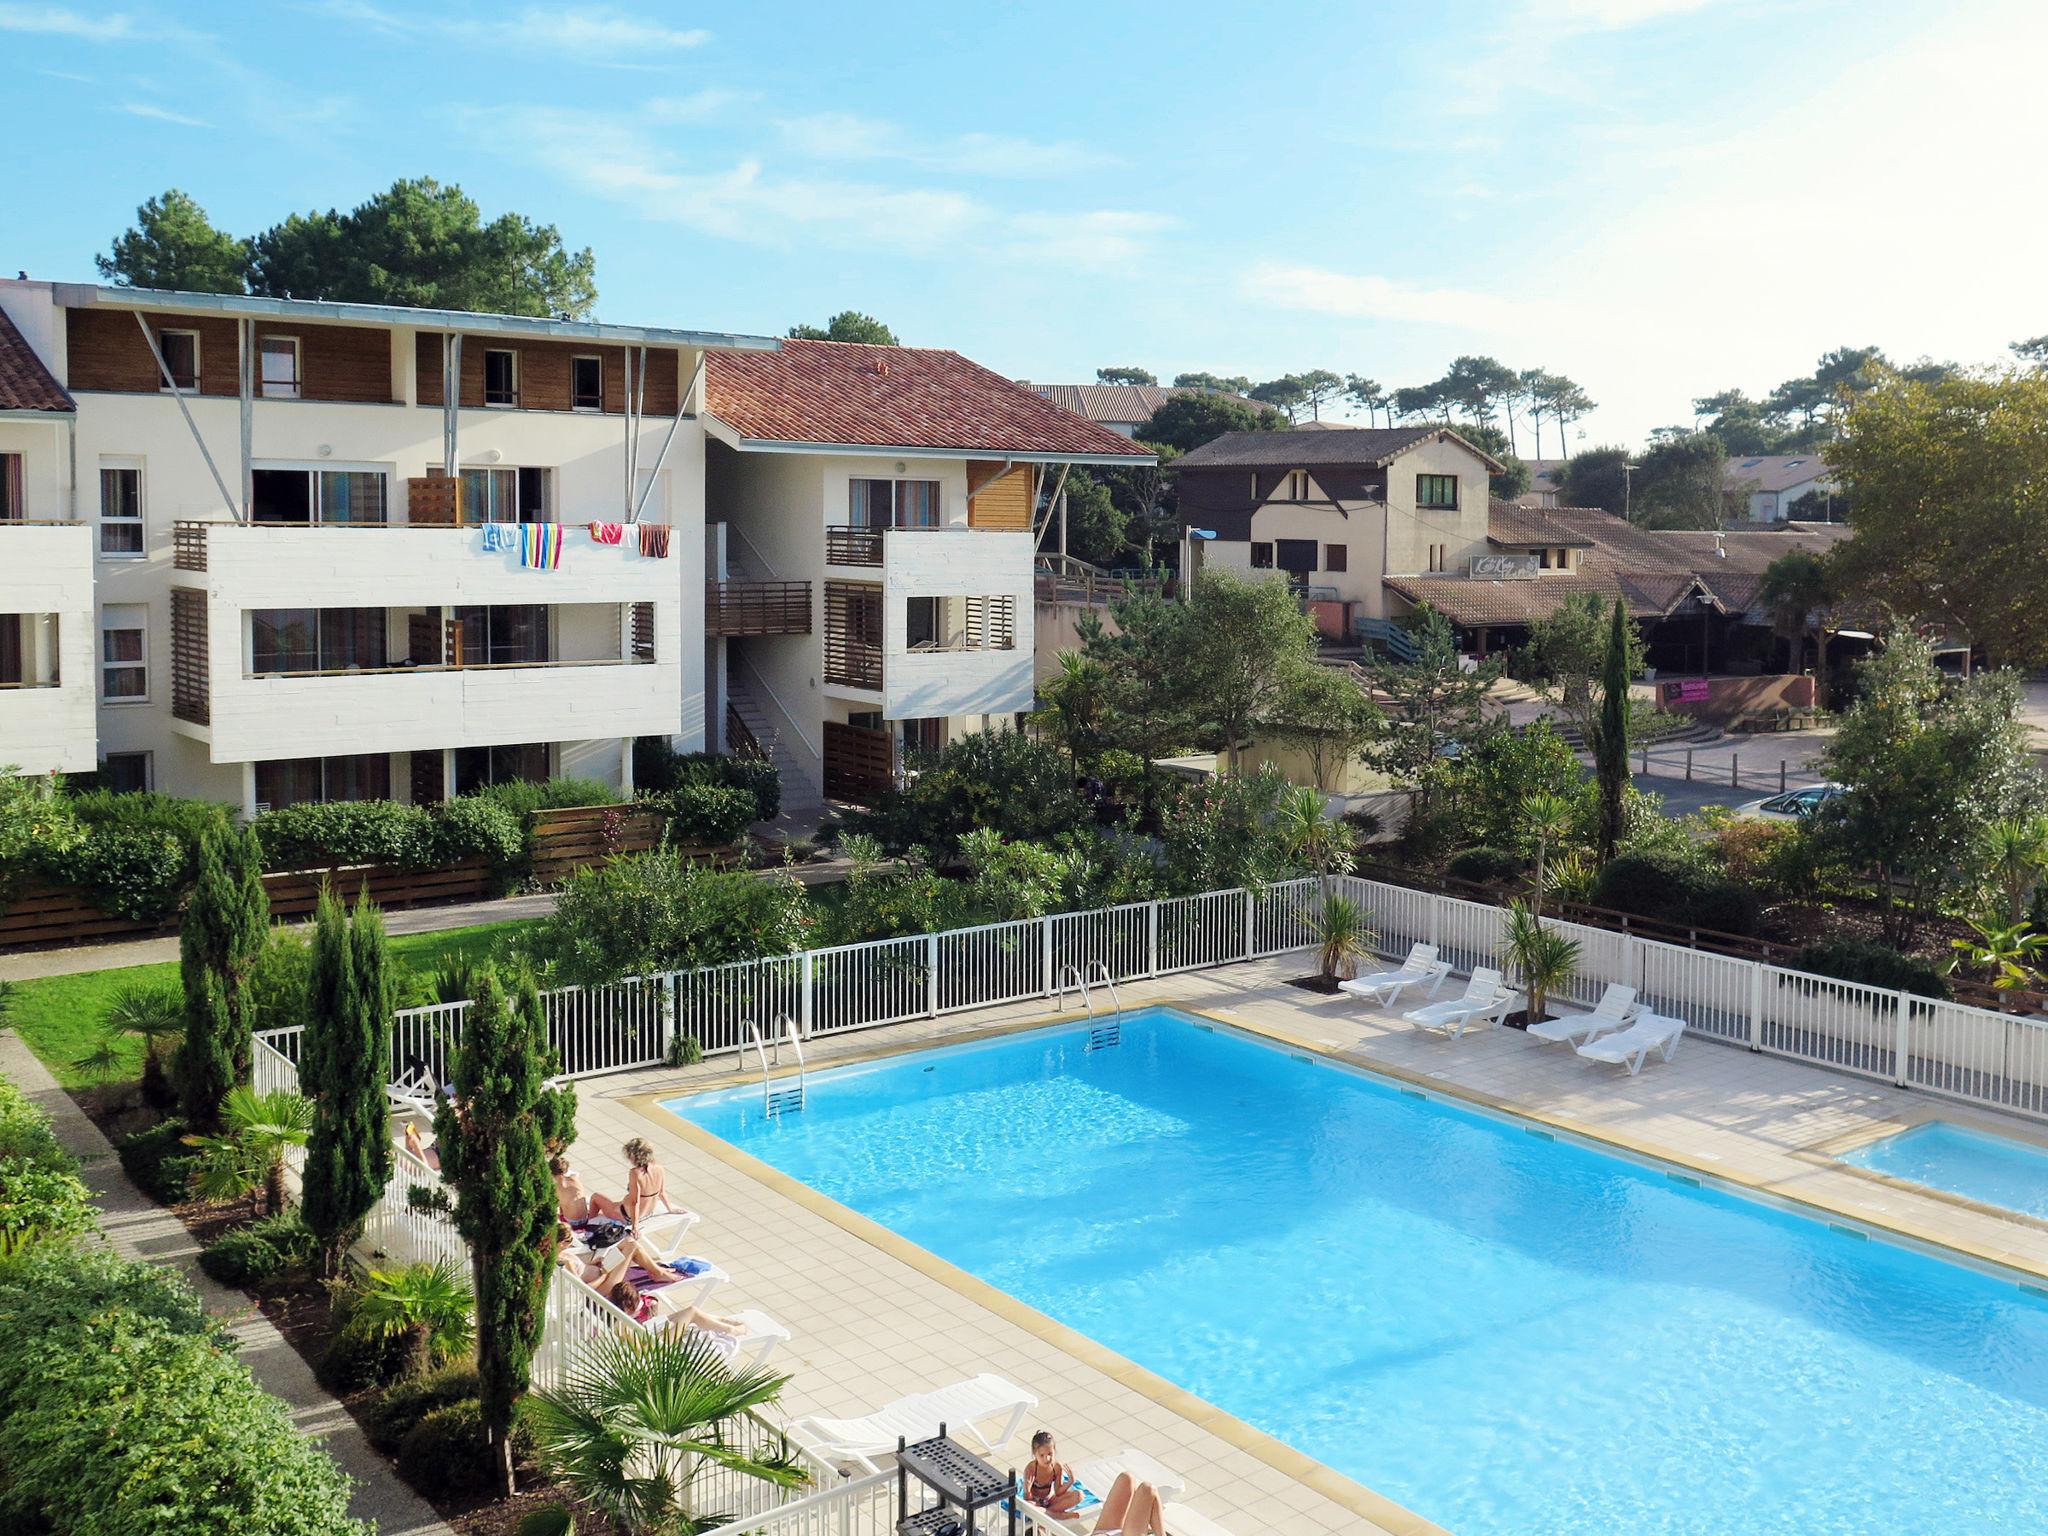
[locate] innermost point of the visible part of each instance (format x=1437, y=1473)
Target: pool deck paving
x=874, y=1316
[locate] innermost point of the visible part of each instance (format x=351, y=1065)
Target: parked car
x=1793, y=805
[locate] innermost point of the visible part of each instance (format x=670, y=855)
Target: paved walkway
x=874, y=1316
x=138, y=1228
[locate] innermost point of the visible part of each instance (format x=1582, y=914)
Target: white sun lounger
x=752, y=1348
x=1386, y=987
x=961, y=1407
x=1632, y=1046
x=1182, y=1521
x=1485, y=1001
x=1097, y=1477
x=1616, y=1009
x=412, y=1092
x=664, y=1231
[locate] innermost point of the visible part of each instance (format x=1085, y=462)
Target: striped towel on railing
x=540, y=545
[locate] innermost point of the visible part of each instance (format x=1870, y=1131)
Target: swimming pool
x=1992, y=1170
x=1511, y=1334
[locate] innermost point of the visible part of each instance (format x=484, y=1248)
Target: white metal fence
x=1975, y=1054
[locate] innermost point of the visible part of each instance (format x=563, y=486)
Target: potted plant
x=1542, y=959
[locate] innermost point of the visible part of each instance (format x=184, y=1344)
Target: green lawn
x=59, y=1016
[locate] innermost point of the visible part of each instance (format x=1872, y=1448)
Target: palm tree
x=1545, y=817
x=640, y=1418
x=1544, y=959
x=427, y=1305
x=154, y=1014
x=1311, y=839
x=1798, y=591
x=247, y=1158
x=2016, y=851
x=1344, y=931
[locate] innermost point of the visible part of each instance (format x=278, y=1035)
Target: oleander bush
x=652, y=912
x=122, y=1409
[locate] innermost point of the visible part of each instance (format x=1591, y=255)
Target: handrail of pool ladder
x=775, y=1101
x=791, y=1034
x=1116, y=1004
x=1059, y=996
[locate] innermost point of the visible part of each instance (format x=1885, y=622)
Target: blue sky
x=1657, y=197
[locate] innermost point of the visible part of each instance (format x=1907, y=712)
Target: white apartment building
x=903, y=485
x=273, y=585
x=266, y=551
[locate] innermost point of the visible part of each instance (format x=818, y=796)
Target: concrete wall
x=48, y=570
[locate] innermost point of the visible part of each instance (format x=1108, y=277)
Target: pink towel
x=608, y=533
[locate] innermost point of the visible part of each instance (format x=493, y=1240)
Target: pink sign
x=1694, y=690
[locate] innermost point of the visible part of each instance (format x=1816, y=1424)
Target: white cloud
x=847, y=136
x=162, y=115
x=1368, y=296
x=697, y=107
x=56, y=21
x=1607, y=15
x=594, y=34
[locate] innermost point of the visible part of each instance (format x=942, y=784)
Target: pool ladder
x=1100, y=1036
x=783, y=1100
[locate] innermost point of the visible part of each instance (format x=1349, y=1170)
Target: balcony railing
x=189, y=688
x=757, y=607
x=853, y=546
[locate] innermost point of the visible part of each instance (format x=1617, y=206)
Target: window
x=124, y=654
x=923, y=737
x=1543, y=559
x=13, y=501
x=121, y=509
x=181, y=357
x=299, y=497
x=895, y=504
x=1297, y=485
x=921, y=623
x=298, y=780
x=501, y=378
x=1436, y=491
x=507, y=634
x=279, y=360
x=1438, y=556
x=1297, y=557
x=1262, y=556
x=586, y=383
x=1336, y=557
x=352, y=496
x=505, y=495
x=127, y=773
x=476, y=767
x=315, y=640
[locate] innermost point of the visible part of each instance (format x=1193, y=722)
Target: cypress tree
x=493, y=1155
x=343, y=1068
x=222, y=935
x=1610, y=735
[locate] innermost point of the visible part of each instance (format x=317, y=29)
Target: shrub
x=1675, y=889
x=449, y=1449
x=354, y=1360
x=521, y=796
x=25, y=1131
x=248, y=1256
x=755, y=775
x=277, y=983
x=40, y=1201
x=1014, y=784
x=122, y=1409
x=549, y=1520
x=473, y=826
x=651, y=912
x=1873, y=964
x=714, y=815
x=159, y=1162
x=311, y=835
x=183, y=821
x=1223, y=833
x=139, y=875
x=403, y=1404
x=1486, y=865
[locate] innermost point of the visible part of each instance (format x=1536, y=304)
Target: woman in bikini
x=603, y=1268
x=646, y=1306
x=646, y=1184
x=573, y=1201
x=1131, y=1509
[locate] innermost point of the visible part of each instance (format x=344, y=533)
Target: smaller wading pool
x=1992, y=1170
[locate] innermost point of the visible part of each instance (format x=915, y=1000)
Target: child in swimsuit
x=1049, y=1483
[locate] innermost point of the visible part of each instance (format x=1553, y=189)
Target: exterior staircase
x=743, y=710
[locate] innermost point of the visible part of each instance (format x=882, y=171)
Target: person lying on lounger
x=1048, y=1482
x=647, y=1306
x=573, y=1201
x=1131, y=1509
x=431, y=1156
x=602, y=1267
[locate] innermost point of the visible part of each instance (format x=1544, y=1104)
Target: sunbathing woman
x=431, y=1156
x=573, y=1201
x=601, y=1268
x=646, y=1184
x=646, y=1306
x=1131, y=1509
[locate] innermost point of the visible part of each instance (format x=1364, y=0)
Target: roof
x=1131, y=403
x=1777, y=471
x=1655, y=572
x=1372, y=446
x=828, y=394
x=89, y=295
x=1509, y=524
x=25, y=384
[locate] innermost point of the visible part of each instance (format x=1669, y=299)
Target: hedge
x=659, y=770
x=1873, y=964
x=1670, y=888
x=713, y=815
x=388, y=832
x=123, y=1410
x=40, y=1191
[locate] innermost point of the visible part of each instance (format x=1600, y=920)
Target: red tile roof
x=25, y=384
x=894, y=397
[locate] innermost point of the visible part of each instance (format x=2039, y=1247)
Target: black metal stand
x=964, y=1483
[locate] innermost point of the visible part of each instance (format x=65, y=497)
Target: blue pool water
x=1510, y=1334
x=1990, y=1169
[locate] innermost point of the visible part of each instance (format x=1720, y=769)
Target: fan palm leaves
x=247, y=1157
x=430, y=1306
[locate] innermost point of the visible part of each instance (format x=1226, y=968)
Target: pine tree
x=343, y=1069
x=492, y=1153
x=224, y=929
x=1610, y=735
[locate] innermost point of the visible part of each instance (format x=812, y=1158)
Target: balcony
x=47, y=709
x=757, y=607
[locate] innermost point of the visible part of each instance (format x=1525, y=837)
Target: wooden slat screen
x=860, y=763
x=640, y=639
x=757, y=607
x=853, y=634
x=189, y=695
x=853, y=546
x=188, y=546
x=990, y=624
